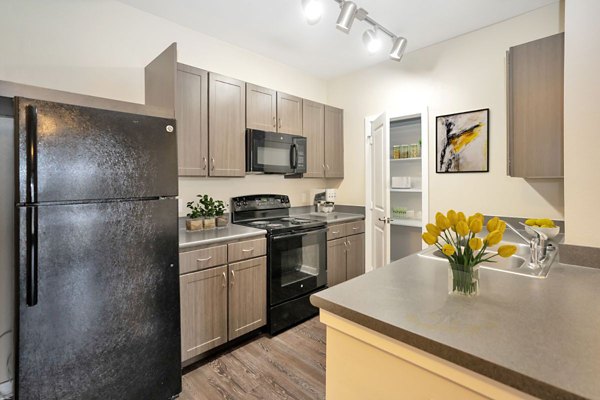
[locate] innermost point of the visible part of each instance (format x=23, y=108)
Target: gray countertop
x=210, y=236
x=540, y=336
x=332, y=218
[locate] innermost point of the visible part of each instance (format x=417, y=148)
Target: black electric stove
x=296, y=256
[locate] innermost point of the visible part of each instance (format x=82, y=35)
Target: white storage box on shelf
x=401, y=182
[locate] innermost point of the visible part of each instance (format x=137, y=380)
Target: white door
x=380, y=191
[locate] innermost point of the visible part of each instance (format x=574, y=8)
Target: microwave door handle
x=293, y=156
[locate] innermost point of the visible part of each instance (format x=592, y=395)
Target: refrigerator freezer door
x=72, y=153
x=106, y=321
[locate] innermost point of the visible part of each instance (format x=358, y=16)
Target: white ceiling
x=277, y=28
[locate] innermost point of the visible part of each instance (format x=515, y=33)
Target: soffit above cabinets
x=278, y=30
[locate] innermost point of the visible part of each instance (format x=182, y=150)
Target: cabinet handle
x=247, y=250
x=212, y=163
x=232, y=278
x=323, y=165
x=274, y=123
x=199, y=260
x=335, y=232
x=327, y=166
x=349, y=244
x=354, y=228
x=346, y=244
x=224, y=279
x=205, y=163
x=279, y=123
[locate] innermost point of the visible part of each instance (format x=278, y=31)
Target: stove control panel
x=260, y=202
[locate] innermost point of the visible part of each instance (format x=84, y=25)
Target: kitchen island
x=395, y=333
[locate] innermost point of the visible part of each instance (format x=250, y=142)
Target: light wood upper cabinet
x=261, y=108
x=247, y=296
x=313, y=128
x=289, y=114
x=191, y=112
x=355, y=261
x=535, y=108
x=203, y=311
x=334, y=142
x=226, y=129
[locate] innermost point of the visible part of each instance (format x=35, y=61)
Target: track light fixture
x=346, y=17
x=348, y=13
x=371, y=40
x=398, y=47
x=313, y=9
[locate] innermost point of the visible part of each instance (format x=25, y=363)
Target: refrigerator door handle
x=31, y=116
x=32, y=256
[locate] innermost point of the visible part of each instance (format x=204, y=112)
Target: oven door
x=297, y=264
x=275, y=153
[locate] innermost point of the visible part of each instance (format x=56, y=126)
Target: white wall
x=461, y=74
x=100, y=48
x=582, y=136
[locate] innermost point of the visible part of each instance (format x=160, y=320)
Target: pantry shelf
x=416, y=223
x=405, y=159
x=406, y=190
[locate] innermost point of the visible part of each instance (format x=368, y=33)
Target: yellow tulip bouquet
x=456, y=237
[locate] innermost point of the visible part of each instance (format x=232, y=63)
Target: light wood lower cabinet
x=336, y=261
x=203, y=297
x=247, y=296
x=355, y=256
x=223, y=302
x=345, y=252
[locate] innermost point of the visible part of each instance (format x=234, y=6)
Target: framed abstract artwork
x=462, y=142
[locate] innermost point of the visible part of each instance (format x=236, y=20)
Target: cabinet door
x=289, y=114
x=191, y=112
x=336, y=261
x=203, y=297
x=226, y=128
x=355, y=264
x=334, y=142
x=261, y=108
x=313, y=128
x=247, y=296
x=535, y=108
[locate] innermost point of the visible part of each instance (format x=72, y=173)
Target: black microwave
x=275, y=153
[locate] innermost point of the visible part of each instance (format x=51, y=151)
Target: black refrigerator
x=97, y=291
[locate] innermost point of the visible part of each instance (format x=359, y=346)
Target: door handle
x=385, y=220
x=205, y=163
x=32, y=256
x=31, y=121
x=232, y=278
x=224, y=279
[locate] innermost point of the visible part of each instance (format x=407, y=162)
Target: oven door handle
x=298, y=234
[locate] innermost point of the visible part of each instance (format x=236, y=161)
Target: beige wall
x=101, y=47
x=582, y=136
x=461, y=74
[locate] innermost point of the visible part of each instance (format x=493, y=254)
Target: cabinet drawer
x=196, y=260
x=354, y=228
x=247, y=249
x=336, y=231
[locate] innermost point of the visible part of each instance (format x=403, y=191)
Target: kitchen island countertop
x=539, y=336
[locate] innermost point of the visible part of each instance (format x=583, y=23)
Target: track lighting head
x=398, y=47
x=313, y=9
x=346, y=18
x=372, y=40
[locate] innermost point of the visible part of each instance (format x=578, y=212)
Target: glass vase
x=463, y=280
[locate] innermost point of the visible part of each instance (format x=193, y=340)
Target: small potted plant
x=221, y=219
x=194, y=221
x=208, y=208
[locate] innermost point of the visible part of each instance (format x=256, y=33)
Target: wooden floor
x=290, y=365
